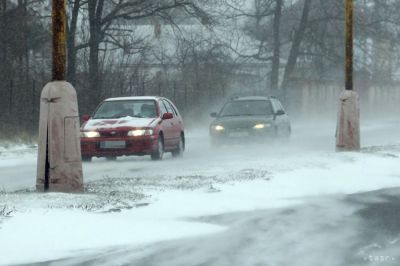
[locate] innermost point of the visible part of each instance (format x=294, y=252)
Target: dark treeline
x=195, y=52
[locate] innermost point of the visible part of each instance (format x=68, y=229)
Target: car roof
x=133, y=98
x=251, y=98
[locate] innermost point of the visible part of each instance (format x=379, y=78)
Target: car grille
x=113, y=134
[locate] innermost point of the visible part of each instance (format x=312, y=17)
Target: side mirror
x=167, y=116
x=214, y=114
x=280, y=112
x=85, y=118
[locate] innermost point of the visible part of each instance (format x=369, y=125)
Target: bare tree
x=277, y=45
x=71, y=39
x=295, y=48
x=103, y=17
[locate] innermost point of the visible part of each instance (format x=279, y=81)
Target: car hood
x=242, y=121
x=123, y=122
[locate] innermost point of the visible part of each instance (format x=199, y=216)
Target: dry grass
x=5, y=211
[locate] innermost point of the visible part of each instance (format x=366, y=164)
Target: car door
x=167, y=126
x=281, y=118
x=177, y=121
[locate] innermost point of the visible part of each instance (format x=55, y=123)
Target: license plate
x=112, y=144
x=239, y=134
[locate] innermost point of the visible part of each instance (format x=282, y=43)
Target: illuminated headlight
x=140, y=132
x=90, y=134
x=261, y=126
x=218, y=128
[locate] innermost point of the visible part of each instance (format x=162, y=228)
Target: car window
x=274, y=106
x=174, y=111
x=251, y=107
x=163, y=109
x=280, y=105
x=126, y=108
x=168, y=106
x=277, y=105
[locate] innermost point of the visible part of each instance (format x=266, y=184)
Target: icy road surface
x=278, y=204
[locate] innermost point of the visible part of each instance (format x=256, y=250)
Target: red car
x=133, y=126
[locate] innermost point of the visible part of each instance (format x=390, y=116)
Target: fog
x=313, y=133
x=198, y=54
x=249, y=202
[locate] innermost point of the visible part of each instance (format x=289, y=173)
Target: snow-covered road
x=209, y=196
x=324, y=231
x=18, y=164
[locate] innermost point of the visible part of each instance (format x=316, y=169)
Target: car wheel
x=111, y=158
x=158, y=154
x=215, y=143
x=86, y=158
x=180, y=149
x=276, y=132
x=282, y=134
x=287, y=132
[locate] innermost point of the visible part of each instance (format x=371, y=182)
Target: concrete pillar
x=59, y=165
x=348, y=125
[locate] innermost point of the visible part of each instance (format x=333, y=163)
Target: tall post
x=59, y=167
x=59, y=36
x=348, y=125
x=349, y=45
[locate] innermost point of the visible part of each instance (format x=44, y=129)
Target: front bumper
x=242, y=134
x=143, y=145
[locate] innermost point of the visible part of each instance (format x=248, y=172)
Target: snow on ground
x=134, y=201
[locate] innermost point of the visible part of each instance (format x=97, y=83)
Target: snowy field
x=134, y=208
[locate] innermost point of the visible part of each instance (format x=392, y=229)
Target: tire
x=159, y=153
x=86, y=158
x=282, y=135
x=286, y=134
x=276, y=132
x=111, y=158
x=215, y=143
x=180, y=149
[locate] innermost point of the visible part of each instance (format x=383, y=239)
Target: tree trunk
x=197, y=91
x=277, y=45
x=3, y=44
x=295, y=49
x=95, y=15
x=72, y=52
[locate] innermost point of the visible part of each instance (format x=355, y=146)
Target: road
x=18, y=166
x=356, y=230
x=313, y=206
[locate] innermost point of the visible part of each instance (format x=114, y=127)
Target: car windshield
x=245, y=108
x=132, y=108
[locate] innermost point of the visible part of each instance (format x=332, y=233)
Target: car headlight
x=261, y=126
x=140, y=132
x=218, y=128
x=90, y=134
